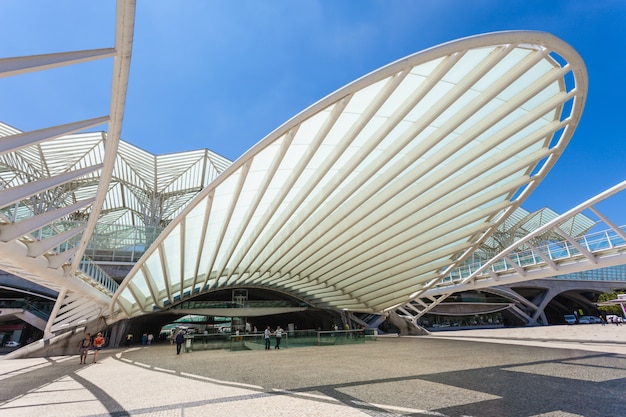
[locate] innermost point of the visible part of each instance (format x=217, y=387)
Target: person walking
x=267, y=334
x=98, y=343
x=179, y=339
x=129, y=339
x=83, y=348
x=279, y=336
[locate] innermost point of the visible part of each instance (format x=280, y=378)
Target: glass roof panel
x=193, y=236
x=141, y=285
x=364, y=97
x=509, y=62
x=458, y=106
x=127, y=295
x=546, y=94
x=401, y=94
x=431, y=99
x=524, y=82
x=153, y=264
x=466, y=64
x=171, y=247
x=311, y=127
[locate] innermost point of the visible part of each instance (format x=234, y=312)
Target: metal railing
x=95, y=276
x=555, y=251
x=41, y=311
x=290, y=339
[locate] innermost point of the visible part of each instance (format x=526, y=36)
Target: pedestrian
x=150, y=339
x=144, y=339
x=98, y=342
x=267, y=334
x=129, y=339
x=180, y=339
x=279, y=336
x=83, y=348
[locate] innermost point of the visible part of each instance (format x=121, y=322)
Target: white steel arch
x=370, y=194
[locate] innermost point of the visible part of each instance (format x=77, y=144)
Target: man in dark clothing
x=180, y=339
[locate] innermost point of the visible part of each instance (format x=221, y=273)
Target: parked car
x=592, y=319
x=12, y=343
x=570, y=319
x=584, y=320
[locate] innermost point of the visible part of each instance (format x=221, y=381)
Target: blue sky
x=224, y=74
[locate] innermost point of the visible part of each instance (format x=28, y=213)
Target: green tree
x=612, y=309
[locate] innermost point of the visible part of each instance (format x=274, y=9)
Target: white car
x=612, y=318
x=12, y=343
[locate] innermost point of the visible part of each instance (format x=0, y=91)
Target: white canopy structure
x=368, y=197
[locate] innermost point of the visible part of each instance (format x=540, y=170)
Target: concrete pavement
x=547, y=372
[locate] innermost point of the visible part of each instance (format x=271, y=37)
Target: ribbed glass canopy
x=370, y=194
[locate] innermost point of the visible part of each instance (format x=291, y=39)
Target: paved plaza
x=563, y=371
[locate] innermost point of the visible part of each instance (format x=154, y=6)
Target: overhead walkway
x=25, y=311
x=525, y=260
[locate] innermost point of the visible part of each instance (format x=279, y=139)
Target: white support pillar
x=47, y=333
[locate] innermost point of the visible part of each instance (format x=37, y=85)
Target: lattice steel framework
x=144, y=189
